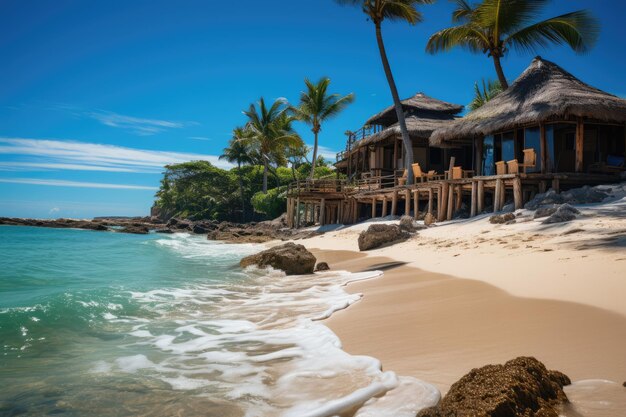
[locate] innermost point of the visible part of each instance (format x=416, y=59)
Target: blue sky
x=96, y=96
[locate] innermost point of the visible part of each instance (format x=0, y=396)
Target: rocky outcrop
x=522, y=387
x=291, y=258
x=564, y=213
x=502, y=218
x=322, y=266
x=583, y=195
x=378, y=235
x=136, y=229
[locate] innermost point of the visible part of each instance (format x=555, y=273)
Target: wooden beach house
x=547, y=130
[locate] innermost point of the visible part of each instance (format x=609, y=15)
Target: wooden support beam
x=313, y=213
x=430, y=200
x=443, y=202
x=323, y=212
x=357, y=208
x=542, y=187
x=298, y=213
x=474, y=199
x=340, y=212
x=450, y=205
x=556, y=185
x=517, y=193
x=480, y=197
x=580, y=140
x=394, y=203
x=452, y=161
x=384, y=214
x=416, y=204
x=407, y=202
x=543, y=149
x=373, y=208
x=459, y=197
x=497, y=198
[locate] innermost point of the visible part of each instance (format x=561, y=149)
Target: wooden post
x=395, y=155
x=479, y=156
x=443, y=201
x=543, y=146
x=340, y=212
x=384, y=214
x=556, y=185
x=474, y=199
x=450, y=205
x=517, y=193
x=542, y=187
x=480, y=203
x=313, y=213
x=394, y=203
x=580, y=140
x=373, y=207
x=497, y=198
x=459, y=197
x=298, y=213
x=416, y=204
x=452, y=161
x=430, y=200
x=407, y=202
x=322, y=212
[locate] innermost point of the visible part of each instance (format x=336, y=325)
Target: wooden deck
x=333, y=201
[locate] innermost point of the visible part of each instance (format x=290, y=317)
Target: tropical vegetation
x=490, y=89
x=493, y=27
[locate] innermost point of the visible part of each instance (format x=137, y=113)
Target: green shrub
x=272, y=204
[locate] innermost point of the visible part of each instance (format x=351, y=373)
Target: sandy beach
x=467, y=293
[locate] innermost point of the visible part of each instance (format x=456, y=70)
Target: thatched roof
x=419, y=102
x=543, y=92
x=418, y=127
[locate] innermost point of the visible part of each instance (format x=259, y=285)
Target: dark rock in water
x=322, y=266
x=291, y=258
x=378, y=235
x=200, y=229
x=137, y=230
x=502, y=218
x=165, y=230
x=522, y=387
x=429, y=219
x=564, y=213
x=179, y=224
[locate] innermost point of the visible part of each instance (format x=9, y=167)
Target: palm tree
x=295, y=155
x=377, y=11
x=493, y=27
x=491, y=88
x=316, y=106
x=270, y=133
x=238, y=153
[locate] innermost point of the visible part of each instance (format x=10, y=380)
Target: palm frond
x=463, y=11
x=466, y=36
x=579, y=30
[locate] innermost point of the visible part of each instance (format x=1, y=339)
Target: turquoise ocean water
x=112, y=324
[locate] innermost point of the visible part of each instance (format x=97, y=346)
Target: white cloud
x=63, y=183
x=96, y=157
x=327, y=153
x=54, y=210
x=140, y=126
x=199, y=138
x=42, y=166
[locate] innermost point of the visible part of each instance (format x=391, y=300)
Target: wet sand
x=436, y=328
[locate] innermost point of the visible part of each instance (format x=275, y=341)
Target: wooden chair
x=530, y=159
x=512, y=166
x=500, y=168
x=457, y=173
x=403, y=178
x=417, y=172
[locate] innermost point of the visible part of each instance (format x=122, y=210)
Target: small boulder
x=200, y=229
x=407, y=224
x=564, y=213
x=322, y=266
x=429, y=219
x=522, y=387
x=136, y=230
x=502, y=218
x=378, y=235
x=545, y=211
x=291, y=258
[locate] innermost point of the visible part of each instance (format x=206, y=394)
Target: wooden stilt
x=542, y=187
x=322, y=212
x=474, y=199
x=503, y=195
x=416, y=204
x=580, y=139
x=450, y=205
x=298, y=213
x=480, y=203
x=407, y=202
x=373, y=208
x=517, y=193
x=430, y=200
x=556, y=185
x=384, y=214
x=459, y=197
x=394, y=203
x=497, y=198
x=443, y=202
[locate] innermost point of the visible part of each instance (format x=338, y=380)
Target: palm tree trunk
x=265, y=168
x=315, y=133
x=243, y=199
x=406, y=139
x=500, y=72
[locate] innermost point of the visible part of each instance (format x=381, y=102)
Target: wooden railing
x=354, y=137
x=317, y=185
x=374, y=183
